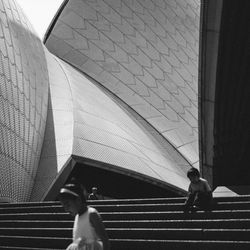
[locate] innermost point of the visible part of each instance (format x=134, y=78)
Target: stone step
x=179, y=234
x=239, y=205
x=22, y=242
x=154, y=215
x=212, y=223
x=27, y=248
x=36, y=216
x=37, y=232
x=205, y=223
x=30, y=204
x=128, y=201
x=177, y=215
x=34, y=242
x=167, y=200
x=35, y=209
x=140, y=233
x=141, y=244
x=37, y=223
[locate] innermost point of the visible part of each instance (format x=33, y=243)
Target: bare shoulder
x=203, y=180
x=93, y=213
x=206, y=184
x=92, y=210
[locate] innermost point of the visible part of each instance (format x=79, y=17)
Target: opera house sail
x=111, y=91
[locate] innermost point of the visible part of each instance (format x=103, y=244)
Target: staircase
x=132, y=224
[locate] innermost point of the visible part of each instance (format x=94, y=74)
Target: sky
x=40, y=13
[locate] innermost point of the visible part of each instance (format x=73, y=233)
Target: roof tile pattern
x=23, y=103
x=138, y=112
x=145, y=52
x=86, y=121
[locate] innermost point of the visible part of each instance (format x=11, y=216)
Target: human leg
x=203, y=200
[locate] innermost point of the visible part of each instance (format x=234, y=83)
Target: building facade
x=113, y=89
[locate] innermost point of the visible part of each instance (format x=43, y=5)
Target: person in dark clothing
x=93, y=195
x=199, y=192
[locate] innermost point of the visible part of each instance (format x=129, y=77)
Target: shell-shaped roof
x=119, y=90
x=23, y=102
x=145, y=53
x=87, y=121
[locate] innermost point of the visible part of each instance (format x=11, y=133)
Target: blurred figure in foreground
x=88, y=232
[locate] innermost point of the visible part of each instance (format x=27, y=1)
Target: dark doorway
x=116, y=185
